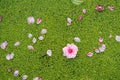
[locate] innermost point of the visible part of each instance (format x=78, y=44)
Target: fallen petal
x=76, y=39
x=34, y=40
x=12, y=55
x=40, y=37
x=79, y=18
x=43, y=31
x=24, y=77
x=111, y=8
x=30, y=47
x=4, y=44
x=69, y=20
x=99, y=8
x=89, y=54
x=39, y=20
x=117, y=38
x=84, y=11
x=16, y=73
x=100, y=39
x=29, y=35
x=49, y=52
x=97, y=50
x=36, y=78
x=17, y=44
x=8, y=56
x=30, y=20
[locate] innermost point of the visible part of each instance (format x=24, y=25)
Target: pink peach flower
x=4, y=44
x=111, y=8
x=100, y=39
x=39, y=20
x=70, y=51
x=89, y=54
x=99, y=8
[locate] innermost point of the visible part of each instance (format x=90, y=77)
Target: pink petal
x=4, y=44
x=97, y=50
x=89, y=54
x=84, y=11
x=111, y=8
x=110, y=36
x=30, y=20
x=100, y=39
x=16, y=73
x=39, y=20
x=30, y=47
x=79, y=18
x=99, y=8
x=8, y=56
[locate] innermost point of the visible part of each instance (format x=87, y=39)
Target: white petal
x=34, y=40
x=36, y=78
x=117, y=38
x=49, y=52
x=69, y=20
x=29, y=35
x=8, y=56
x=24, y=77
x=97, y=51
x=30, y=47
x=12, y=55
x=101, y=49
x=16, y=73
x=77, y=39
x=17, y=44
x=41, y=38
x=43, y=31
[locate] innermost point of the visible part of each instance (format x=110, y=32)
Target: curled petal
x=43, y=31
x=99, y=8
x=4, y=44
x=89, y=54
x=16, y=73
x=111, y=8
x=30, y=47
x=79, y=18
x=39, y=20
x=84, y=11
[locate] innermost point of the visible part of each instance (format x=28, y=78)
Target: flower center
x=70, y=50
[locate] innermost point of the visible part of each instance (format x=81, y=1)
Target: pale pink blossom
x=70, y=51
x=16, y=73
x=30, y=47
x=4, y=44
x=89, y=54
x=84, y=11
x=39, y=20
x=10, y=56
x=100, y=39
x=30, y=20
x=17, y=43
x=111, y=8
x=99, y=8
x=79, y=18
x=117, y=38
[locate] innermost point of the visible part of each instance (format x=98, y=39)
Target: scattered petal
x=30, y=47
x=43, y=31
x=30, y=20
x=12, y=55
x=29, y=35
x=76, y=39
x=39, y=20
x=24, y=77
x=36, y=78
x=79, y=18
x=110, y=36
x=89, y=54
x=0, y=18
x=8, y=56
x=17, y=44
x=41, y=38
x=70, y=51
x=100, y=39
x=99, y=8
x=49, y=52
x=69, y=21
x=117, y=38
x=97, y=50
x=34, y=40
x=4, y=44
x=111, y=8
x=16, y=73
x=84, y=11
